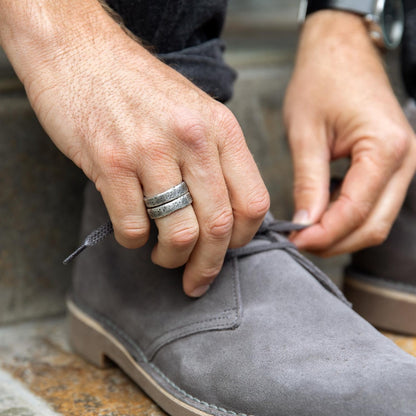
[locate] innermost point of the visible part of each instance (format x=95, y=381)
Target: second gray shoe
x=272, y=337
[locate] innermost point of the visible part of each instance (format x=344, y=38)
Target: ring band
x=165, y=197
x=170, y=207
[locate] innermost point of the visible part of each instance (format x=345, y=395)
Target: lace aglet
x=71, y=257
x=93, y=239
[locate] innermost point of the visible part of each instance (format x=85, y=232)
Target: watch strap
x=362, y=7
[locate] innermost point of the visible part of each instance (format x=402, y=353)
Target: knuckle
x=258, y=205
x=400, y=145
x=229, y=131
x=378, y=235
x=113, y=160
x=359, y=210
x=193, y=133
x=227, y=120
x=221, y=225
x=303, y=186
x=394, y=150
x=207, y=275
x=132, y=235
x=182, y=237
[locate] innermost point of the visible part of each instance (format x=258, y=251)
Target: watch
x=384, y=18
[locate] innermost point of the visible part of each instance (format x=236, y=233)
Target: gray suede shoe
x=381, y=280
x=272, y=337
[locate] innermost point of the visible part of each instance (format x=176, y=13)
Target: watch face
x=392, y=22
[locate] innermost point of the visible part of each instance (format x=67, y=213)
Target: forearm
x=34, y=34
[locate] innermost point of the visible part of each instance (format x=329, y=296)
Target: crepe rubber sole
x=98, y=346
x=381, y=303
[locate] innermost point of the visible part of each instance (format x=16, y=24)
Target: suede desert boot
x=381, y=280
x=272, y=337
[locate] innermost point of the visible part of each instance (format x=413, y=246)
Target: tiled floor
x=41, y=377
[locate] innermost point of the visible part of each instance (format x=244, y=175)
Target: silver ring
x=163, y=198
x=170, y=207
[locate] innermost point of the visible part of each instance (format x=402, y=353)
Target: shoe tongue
x=272, y=231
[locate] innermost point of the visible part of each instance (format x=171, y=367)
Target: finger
x=215, y=217
x=249, y=197
x=178, y=232
x=363, y=185
x=376, y=229
x=311, y=161
x=123, y=198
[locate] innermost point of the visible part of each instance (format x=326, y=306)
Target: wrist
x=336, y=39
x=337, y=26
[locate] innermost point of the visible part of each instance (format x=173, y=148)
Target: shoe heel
x=87, y=341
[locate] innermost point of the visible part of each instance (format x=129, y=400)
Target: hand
x=136, y=127
x=340, y=104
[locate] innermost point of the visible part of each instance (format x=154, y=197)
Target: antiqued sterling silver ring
x=170, y=207
x=164, y=197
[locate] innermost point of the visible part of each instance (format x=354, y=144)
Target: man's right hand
x=136, y=127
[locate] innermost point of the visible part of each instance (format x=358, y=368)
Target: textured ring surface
x=170, y=195
x=170, y=207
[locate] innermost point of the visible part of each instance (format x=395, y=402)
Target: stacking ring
x=170, y=207
x=168, y=202
x=170, y=195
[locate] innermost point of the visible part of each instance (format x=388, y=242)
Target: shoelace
x=277, y=226
x=271, y=232
x=104, y=230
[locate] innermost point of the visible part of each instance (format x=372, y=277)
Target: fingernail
x=301, y=217
x=199, y=291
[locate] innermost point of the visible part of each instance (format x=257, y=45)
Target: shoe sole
x=382, y=306
x=97, y=346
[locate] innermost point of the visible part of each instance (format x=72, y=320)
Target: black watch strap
x=362, y=7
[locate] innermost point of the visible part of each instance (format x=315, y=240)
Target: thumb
x=311, y=157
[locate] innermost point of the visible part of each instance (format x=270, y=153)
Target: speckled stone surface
x=37, y=356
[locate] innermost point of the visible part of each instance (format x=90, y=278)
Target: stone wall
x=40, y=207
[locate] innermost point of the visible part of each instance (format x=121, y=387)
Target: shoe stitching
x=211, y=406
x=121, y=334
x=152, y=350
x=195, y=327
